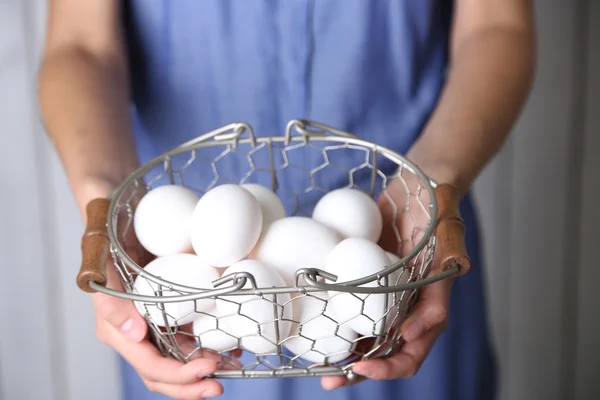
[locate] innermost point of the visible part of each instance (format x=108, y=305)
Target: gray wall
x=537, y=201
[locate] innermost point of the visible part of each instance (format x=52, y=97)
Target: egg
x=183, y=269
x=162, y=220
x=226, y=225
x=270, y=205
x=292, y=243
x=352, y=259
x=393, y=257
x=393, y=277
x=245, y=316
x=350, y=212
x=211, y=333
x=316, y=338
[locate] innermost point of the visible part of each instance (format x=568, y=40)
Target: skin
x=83, y=95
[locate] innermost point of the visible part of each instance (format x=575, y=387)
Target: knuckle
x=438, y=313
x=146, y=374
x=111, y=310
x=151, y=386
x=411, y=370
x=444, y=325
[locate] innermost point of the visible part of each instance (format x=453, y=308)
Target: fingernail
x=205, y=372
x=132, y=330
x=416, y=329
x=328, y=385
x=208, y=394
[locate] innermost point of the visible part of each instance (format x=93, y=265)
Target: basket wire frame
x=315, y=153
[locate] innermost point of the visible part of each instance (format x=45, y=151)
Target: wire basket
x=421, y=220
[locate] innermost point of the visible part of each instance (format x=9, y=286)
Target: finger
x=189, y=348
x=119, y=313
x=403, y=213
x=153, y=366
x=200, y=390
x=430, y=310
x=404, y=364
x=363, y=346
x=334, y=382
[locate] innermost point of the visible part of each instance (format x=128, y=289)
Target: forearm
x=490, y=78
x=84, y=106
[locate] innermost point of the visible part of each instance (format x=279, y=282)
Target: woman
x=440, y=81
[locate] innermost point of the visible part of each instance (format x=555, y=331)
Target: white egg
x=211, y=333
x=295, y=242
x=317, y=338
x=245, y=316
x=393, y=257
x=162, y=220
x=352, y=259
x=183, y=269
x=393, y=277
x=270, y=204
x=351, y=212
x=226, y=224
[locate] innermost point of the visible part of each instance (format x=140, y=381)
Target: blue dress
x=371, y=67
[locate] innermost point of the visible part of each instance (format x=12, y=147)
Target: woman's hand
x=429, y=317
x=120, y=326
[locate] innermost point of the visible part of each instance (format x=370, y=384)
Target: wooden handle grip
x=95, y=246
x=450, y=230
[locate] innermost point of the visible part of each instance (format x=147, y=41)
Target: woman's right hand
x=120, y=326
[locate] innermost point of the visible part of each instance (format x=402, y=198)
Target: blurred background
x=538, y=201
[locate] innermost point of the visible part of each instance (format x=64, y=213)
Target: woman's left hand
x=420, y=331
x=429, y=317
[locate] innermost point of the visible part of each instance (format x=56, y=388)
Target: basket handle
x=307, y=128
x=450, y=230
x=95, y=246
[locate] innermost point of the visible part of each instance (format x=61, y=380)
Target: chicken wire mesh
x=303, y=336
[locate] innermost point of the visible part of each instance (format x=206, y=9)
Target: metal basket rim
x=203, y=141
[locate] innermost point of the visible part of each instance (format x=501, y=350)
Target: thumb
x=430, y=311
x=120, y=313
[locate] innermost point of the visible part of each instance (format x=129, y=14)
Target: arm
x=491, y=71
x=83, y=94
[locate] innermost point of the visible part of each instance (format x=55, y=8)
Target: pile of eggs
x=244, y=228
